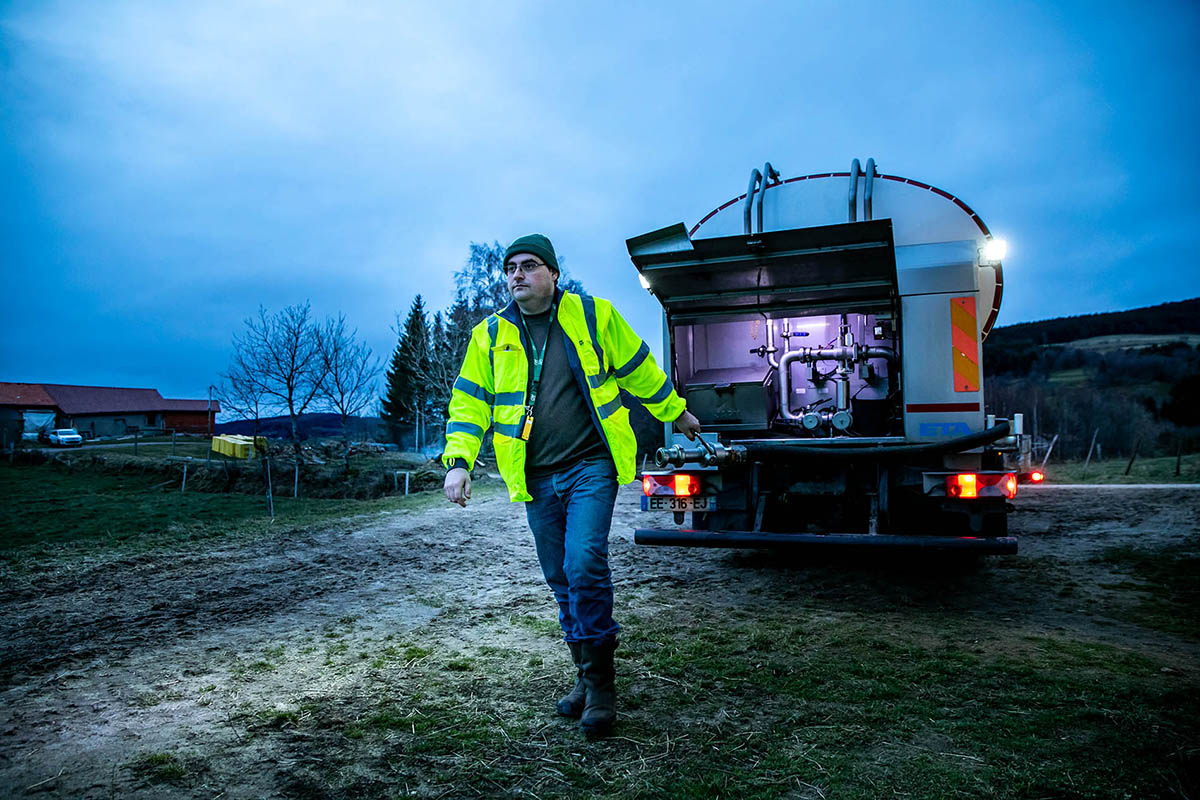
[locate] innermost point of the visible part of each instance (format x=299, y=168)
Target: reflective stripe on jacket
x=605, y=356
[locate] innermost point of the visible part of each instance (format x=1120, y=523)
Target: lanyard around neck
x=539, y=355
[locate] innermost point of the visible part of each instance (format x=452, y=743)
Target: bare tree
x=280, y=356
x=350, y=372
x=241, y=396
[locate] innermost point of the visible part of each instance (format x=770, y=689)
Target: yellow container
x=239, y=446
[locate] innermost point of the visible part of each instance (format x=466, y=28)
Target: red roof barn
x=102, y=410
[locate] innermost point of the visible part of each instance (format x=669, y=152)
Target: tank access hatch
x=821, y=270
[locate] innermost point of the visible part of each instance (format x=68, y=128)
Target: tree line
x=1146, y=399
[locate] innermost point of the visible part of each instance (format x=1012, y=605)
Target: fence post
x=1049, y=450
x=270, y=499
x=1091, y=446
x=183, y=488
x=296, y=482
x=1133, y=455
x=173, y=443
x=136, y=435
x=395, y=480
x=406, y=474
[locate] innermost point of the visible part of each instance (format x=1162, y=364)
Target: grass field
x=153, y=449
x=1145, y=470
x=797, y=703
x=821, y=682
x=52, y=512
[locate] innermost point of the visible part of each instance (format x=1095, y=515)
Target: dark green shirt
x=563, y=432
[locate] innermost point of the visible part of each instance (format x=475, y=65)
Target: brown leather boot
x=599, y=677
x=572, y=703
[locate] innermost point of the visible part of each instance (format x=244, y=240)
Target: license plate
x=668, y=503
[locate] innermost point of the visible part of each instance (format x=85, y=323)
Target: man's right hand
x=458, y=486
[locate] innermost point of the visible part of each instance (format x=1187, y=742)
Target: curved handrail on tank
x=768, y=173
x=983, y=228
x=869, y=190
x=991, y=320
x=855, y=172
x=755, y=179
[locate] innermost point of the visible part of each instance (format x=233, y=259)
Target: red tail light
x=678, y=485
x=1037, y=476
x=962, y=485
x=687, y=485
x=969, y=484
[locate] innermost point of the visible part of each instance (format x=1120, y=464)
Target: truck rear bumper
x=685, y=537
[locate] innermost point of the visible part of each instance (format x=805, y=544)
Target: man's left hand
x=688, y=425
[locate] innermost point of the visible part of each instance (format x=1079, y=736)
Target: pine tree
x=391, y=410
x=408, y=373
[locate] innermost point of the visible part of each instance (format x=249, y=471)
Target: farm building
x=99, y=410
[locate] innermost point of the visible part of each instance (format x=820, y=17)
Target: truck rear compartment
x=837, y=379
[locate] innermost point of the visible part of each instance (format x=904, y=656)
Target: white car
x=66, y=437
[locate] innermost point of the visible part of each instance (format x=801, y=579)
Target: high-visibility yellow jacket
x=604, y=354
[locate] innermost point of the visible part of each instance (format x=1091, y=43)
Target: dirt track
x=106, y=662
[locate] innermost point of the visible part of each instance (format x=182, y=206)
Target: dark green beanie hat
x=538, y=245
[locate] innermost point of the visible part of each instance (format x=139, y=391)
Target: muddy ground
x=116, y=672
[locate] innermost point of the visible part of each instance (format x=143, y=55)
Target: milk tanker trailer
x=826, y=330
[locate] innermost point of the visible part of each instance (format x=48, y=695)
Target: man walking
x=545, y=374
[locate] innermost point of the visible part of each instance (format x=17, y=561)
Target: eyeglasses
x=526, y=267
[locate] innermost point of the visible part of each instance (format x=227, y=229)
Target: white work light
x=645, y=283
x=995, y=250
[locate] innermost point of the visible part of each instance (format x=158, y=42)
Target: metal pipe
x=755, y=179
x=768, y=173
x=710, y=455
x=880, y=352
x=853, y=354
x=868, y=190
x=772, y=349
x=785, y=385
x=855, y=172
x=842, y=389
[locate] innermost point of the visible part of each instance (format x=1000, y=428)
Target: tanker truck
x=826, y=330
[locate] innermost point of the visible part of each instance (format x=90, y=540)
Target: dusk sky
x=168, y=167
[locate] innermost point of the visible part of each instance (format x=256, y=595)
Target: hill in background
x=1131, y=378
x=1182, y=317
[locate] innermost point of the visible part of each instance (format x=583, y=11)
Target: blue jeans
x=570, y=516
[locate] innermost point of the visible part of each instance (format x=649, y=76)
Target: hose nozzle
x=707, y=454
